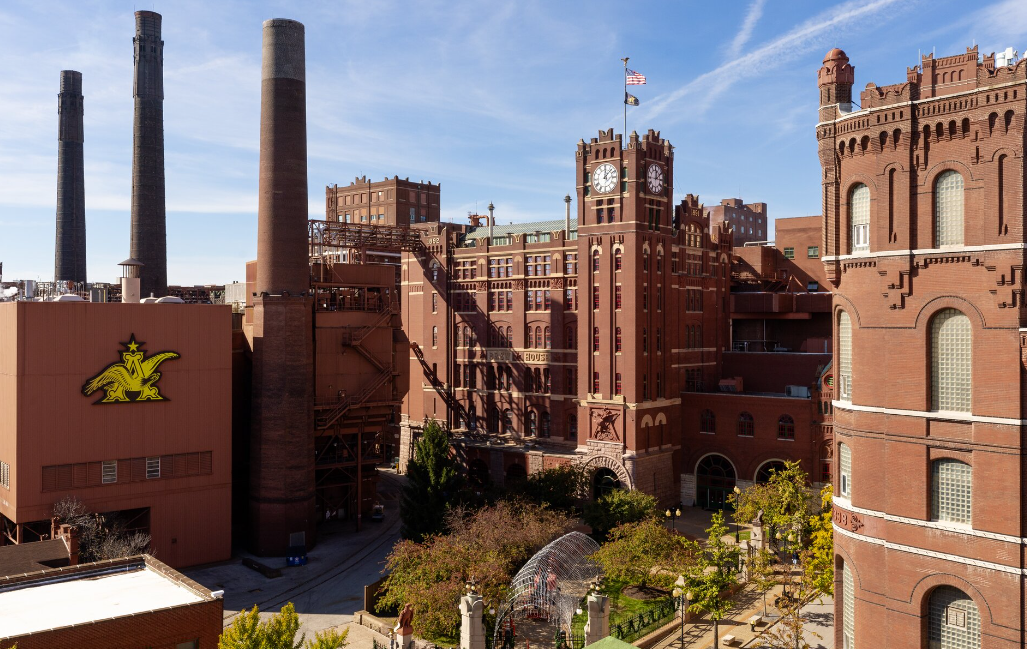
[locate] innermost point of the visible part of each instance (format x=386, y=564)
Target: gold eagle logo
x=134, y=375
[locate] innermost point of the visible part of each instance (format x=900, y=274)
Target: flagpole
x=624, y=137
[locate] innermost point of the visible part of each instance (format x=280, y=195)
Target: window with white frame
x=951, y=361
x=152, y=467
x=844, y=357
x=5, y=475
x=953, y=620
x=951, y=491
x=109, y=471
x=844, y=471
x=848, y=609
x=948, y=209
x=859, y=215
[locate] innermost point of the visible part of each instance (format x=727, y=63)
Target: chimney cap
x=131, y=262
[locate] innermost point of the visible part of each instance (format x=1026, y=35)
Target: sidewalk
x=699, y=634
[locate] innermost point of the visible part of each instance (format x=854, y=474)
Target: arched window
x=951, y=361
x=572, y=427
x=786, y=427
x=618, y=260
x=844, y=471
x=595, y=261
x=848, y=608
x=434, y=336
x=948, y=209
x=859, y=215
x=844, y=357
x=707, y=422
x=532, y=423
x=545, y=424
x=549, y=338
x=531, y=337
x=953, y=621
x=508, y=425
x=951, y=491
x=767, y=470
x=746, y=425
x=509, y=336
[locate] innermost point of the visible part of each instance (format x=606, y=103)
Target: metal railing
x=646, y=621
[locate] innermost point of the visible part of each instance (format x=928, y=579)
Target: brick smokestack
x=70, y=249
x=282, y=251
x=149, y=229
x=282, y=422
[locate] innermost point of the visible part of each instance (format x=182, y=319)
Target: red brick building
x=572, y=339
x=923, y=240
x=749, y=221
x=601, y=340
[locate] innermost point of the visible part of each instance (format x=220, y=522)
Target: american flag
x=635, y=78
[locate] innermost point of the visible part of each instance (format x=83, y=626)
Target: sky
x=487, y=98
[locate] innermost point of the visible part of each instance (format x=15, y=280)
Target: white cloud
x=704, y=89
x=748, y=25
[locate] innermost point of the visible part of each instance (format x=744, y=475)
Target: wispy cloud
x=748, y=25
x=796, y=42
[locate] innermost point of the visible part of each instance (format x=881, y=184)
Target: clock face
x=604, y=178
x=654, y=179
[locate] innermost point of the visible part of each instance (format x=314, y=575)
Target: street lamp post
x=680, y=594
x=672, y=514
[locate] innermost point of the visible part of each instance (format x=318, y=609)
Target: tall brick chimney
x=282, y=433
x=149, y=230
x=70, y=248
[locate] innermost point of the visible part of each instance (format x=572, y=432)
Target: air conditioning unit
x=798, y=391
x=731, y=385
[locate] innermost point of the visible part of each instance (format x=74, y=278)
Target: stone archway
x=606, y=462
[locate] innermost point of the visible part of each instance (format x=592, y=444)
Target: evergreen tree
x=432, y=480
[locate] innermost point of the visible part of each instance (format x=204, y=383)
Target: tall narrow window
x=595, y=339
x=848, y=609
x=595, y=261
x=572, y=427
x=951, y=361
x=707, y=422
x=617, y=297
x=545, y=424
x=531, y=337
x=745, y=425
x=549, y=338
x=953, y=620
x=948, y=209
x=595, y=382
x=951, y=491
x=859, y=215
x=844, y=471
x=617, y=385
x=844, y=357
x=434, y=336
x=618, y=260
x=786, y=427
x=617, y=339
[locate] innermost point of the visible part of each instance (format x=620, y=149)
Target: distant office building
x=749, y=221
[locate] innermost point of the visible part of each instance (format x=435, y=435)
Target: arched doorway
x=767, y=468
x=603, y=482
x=516, y=472
x=478, y=473
x=714, y=481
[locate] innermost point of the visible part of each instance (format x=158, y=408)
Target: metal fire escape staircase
x=353, y=339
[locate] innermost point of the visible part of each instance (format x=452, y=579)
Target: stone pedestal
x=598, y=625
x=472, y=634
x=757, y=537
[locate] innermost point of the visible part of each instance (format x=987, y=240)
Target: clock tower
x=626, y=231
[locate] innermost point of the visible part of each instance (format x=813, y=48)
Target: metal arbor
x=553, y=582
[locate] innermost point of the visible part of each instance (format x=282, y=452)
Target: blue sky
x=488, y=98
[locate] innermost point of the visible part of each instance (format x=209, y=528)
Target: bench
x=729, y=640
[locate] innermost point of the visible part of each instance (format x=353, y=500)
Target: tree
x=714, y=573
x=101, y=536
x=277, y=632
x=432, y=477
x=559, y=487
x=645, y=552
x=760, y=566
x=618, y=507
x=819, y=562
x=789, y=632
x=785, y=500
x=488, y=545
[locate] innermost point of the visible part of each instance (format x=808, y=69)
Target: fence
x=646, y=621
